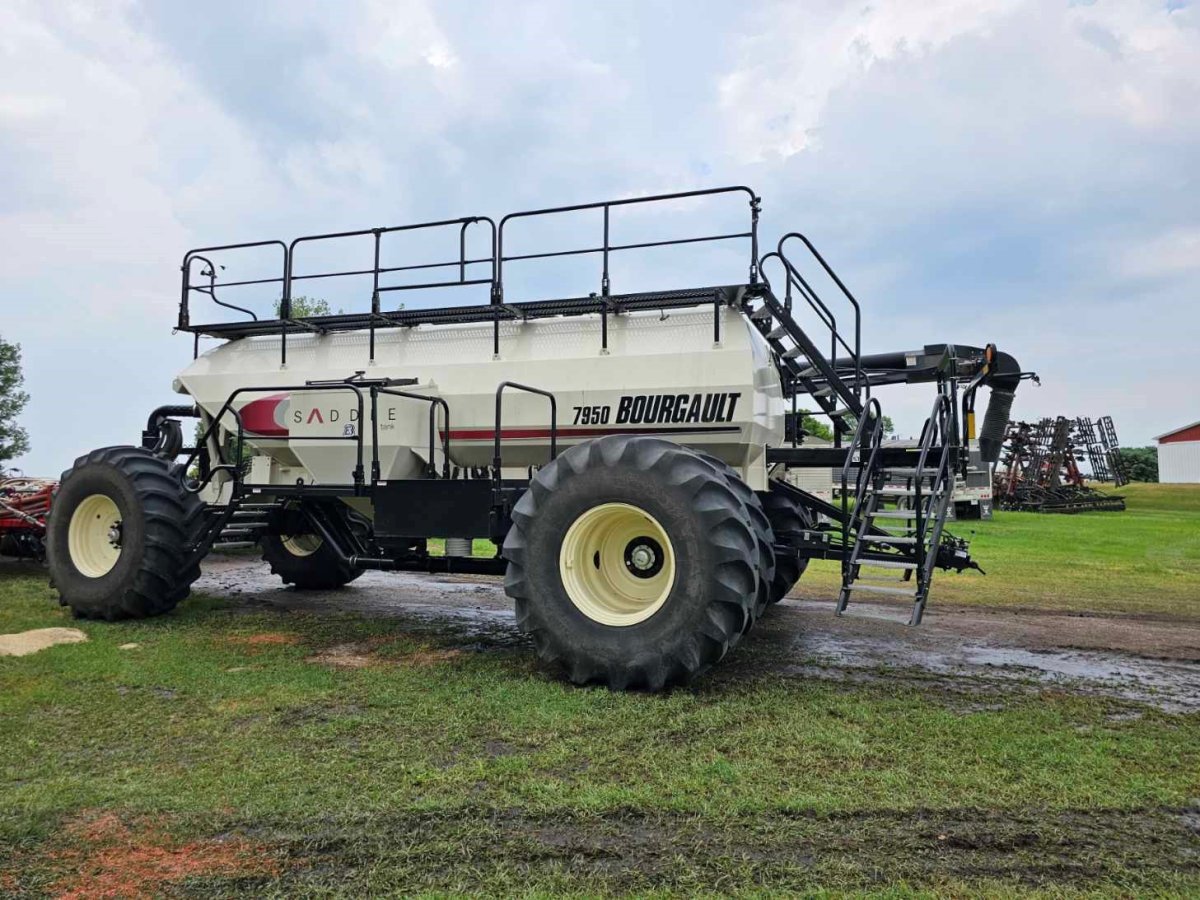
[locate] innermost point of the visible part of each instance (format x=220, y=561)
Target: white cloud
x=1177, y=252
x=976, y=170
x=808, y=51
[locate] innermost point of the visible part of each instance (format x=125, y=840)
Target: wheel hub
x=617, y=564
x=644, y=557
x=94, y=535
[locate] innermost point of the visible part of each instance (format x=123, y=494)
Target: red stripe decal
x=489, y=434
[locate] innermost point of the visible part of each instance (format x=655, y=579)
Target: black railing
x=867, y=446
x=235, y=468
x=497, y=461
x=434, y=404
x=356, y=385
x=607, y=248
x=494, y=259
x=937, y=436
x=795, y=282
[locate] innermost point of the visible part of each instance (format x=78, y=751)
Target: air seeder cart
x=631, y=454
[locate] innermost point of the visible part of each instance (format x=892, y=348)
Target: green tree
x=824, y=430
x=818, y=429
x=1139, y=463
x=13, y=439
x=303, y=307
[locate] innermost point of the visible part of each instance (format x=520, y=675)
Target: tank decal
x=662, y=408
x=266, y=415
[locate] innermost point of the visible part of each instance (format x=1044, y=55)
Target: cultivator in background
x=24, y=505
x=1099, y=441
x=1039, y=468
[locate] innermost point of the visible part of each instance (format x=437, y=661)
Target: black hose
x=164, y=435
x=163, y=412
x=1003, y=381
x=995, y=424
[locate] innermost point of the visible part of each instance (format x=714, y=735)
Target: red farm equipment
x=24, y=505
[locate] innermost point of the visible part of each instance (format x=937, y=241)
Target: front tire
x=119, y=533
x=630, y=564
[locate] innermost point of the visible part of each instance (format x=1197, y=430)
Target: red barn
x=1179, y=455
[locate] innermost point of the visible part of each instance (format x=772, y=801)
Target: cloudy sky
x=978, y=170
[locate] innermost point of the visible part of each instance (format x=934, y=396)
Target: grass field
x=1145, y=560
x=228, y=751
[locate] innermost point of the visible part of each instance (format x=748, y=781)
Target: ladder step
x=809, y=372
x=892, y=513
x=793, y=353
x=762, y=314
x=889, y=539
x=886, y=563
x=777, y=332
x=895, y=492
x=880, y=589
x=911, y=472
x=234, y=545
x=823, y=392
x=867, y=577
x=842, y=412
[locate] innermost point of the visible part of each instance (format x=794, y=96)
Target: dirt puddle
x=1147, y=660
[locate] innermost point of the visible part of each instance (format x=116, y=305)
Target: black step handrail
x=857, y=352
x=938, y=428
x=816, y=359
x=825, y=314
x=867, y=468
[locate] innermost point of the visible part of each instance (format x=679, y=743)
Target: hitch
x=955, y=553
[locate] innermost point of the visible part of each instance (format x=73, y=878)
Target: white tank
x=662, y=374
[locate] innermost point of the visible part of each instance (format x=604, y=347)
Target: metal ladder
x=805, y=369
x=901, y=539
x=245, y=526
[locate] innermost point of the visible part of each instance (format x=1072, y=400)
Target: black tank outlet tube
x=1003, y=381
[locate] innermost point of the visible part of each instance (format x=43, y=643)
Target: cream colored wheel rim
x=617, y=564
x=94, y=536
x=301, y=544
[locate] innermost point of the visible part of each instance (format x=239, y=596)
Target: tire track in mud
x=633, y=851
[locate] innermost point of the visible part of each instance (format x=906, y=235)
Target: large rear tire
x=119, y=534
x=630, y=564
x=787, y=519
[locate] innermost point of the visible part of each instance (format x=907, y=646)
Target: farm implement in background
x=24, y=505
x=1039, y=469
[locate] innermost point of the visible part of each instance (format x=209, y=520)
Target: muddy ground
x=1152, y=660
